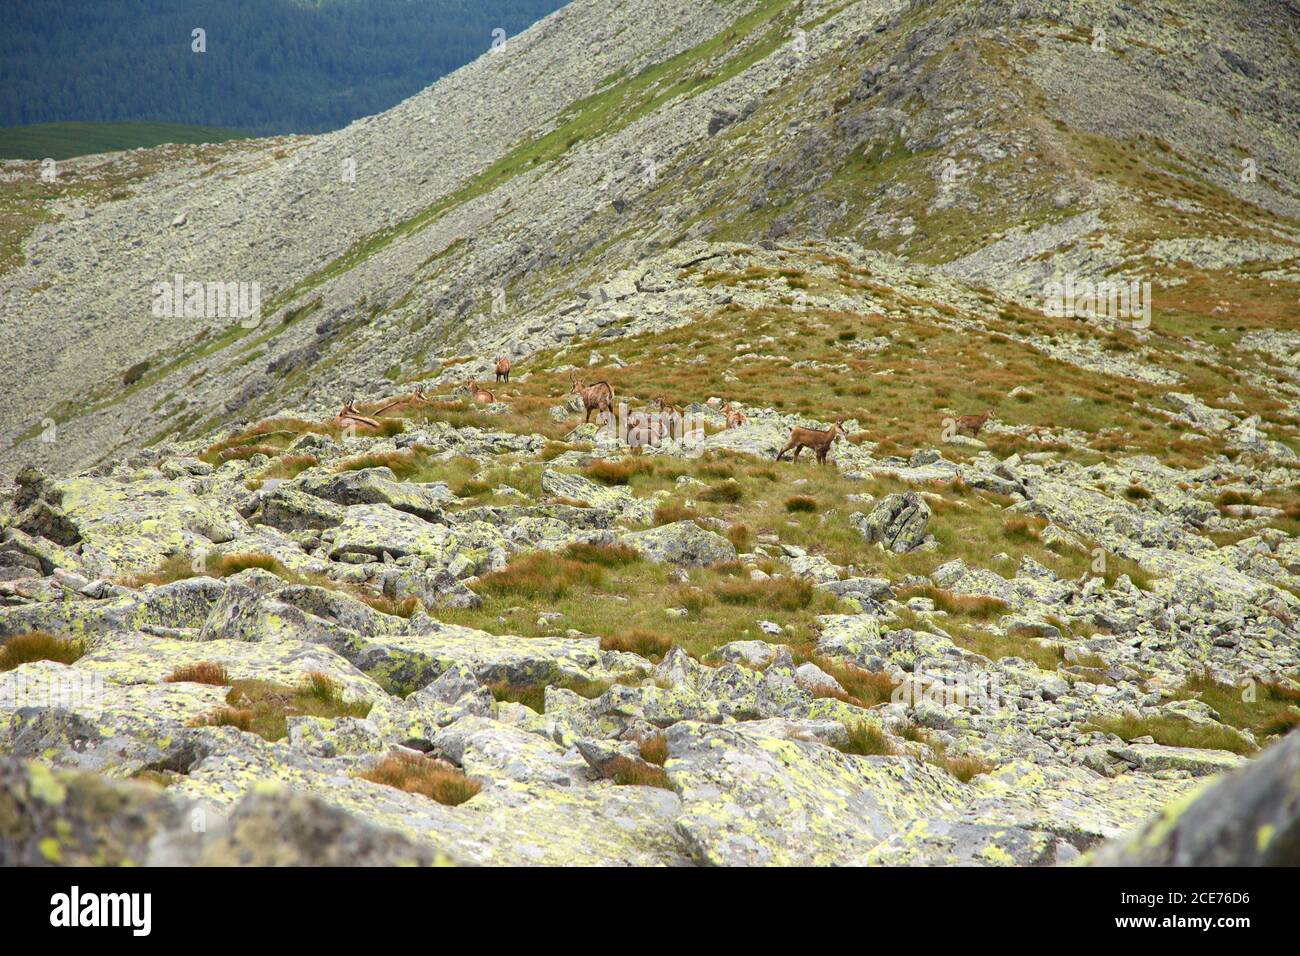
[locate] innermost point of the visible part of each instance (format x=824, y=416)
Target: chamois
x=417, y=398
x=503, y=370
x=478, y=394
x=349, y=417
x=734, y=418
x=598, y=397
x=973, y=423
x=819, y=441
x=671, y=417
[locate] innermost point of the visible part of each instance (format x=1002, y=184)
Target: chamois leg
x=798, y=450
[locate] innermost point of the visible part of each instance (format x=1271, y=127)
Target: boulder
x=1250, y=817
x=898, y=523
x=683, y=543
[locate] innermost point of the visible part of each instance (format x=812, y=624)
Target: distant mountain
x=268, y=66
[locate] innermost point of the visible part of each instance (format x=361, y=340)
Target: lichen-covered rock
x=290, y=509
x=129, y=527
x=134, y=658
x=414, y=660
x=369, y=532
x=54, y=817
x=758, y=794
x=617, y=501
x=683, y=543
x=274, y=826
x=181, y=604
x=898, y=523
x=71, y=718
x=1250, y=817
x=379, y=486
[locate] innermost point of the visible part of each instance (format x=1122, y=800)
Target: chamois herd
x=644, y=427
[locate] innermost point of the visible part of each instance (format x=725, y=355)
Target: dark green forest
x=271, y=66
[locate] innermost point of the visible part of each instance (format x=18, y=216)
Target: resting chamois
x=819, y=441
x=416, y=398
x=598, y=397
x=503, y=370
x=973, y=423
x=349, y=417
x=478, y=394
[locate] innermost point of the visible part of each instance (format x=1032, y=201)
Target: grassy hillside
x=65, y=140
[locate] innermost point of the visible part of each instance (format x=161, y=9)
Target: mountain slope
x=545, y=190
x=1047, y=582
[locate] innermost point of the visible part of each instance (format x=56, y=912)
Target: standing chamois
x=671, y=417
x=973, y=423
x=503, y=370
x=819, y=441
x=734, y=418
x=598, y=397
x=478, y=394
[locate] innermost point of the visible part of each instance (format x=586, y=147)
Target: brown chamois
x=349, y=417
x=418, y=397
x=503, y=370
x=734, y=418
x=973, y=423
x=672, y=418
x=597, y=397
x=478, y=394
x=819, y=441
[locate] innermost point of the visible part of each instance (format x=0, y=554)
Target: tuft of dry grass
x=724, y=492
x=39, y=646
x=797, y=503
x=631, y=773
x=204, y=672
x=618, y=472
x=541, y=576
x=865, y=688
x=638, y=641
x=263, y=707
x=425, y=776
x=603, y=555
x=672, y=512
x=788, y=594
x=867, y=740
x=655, y=749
